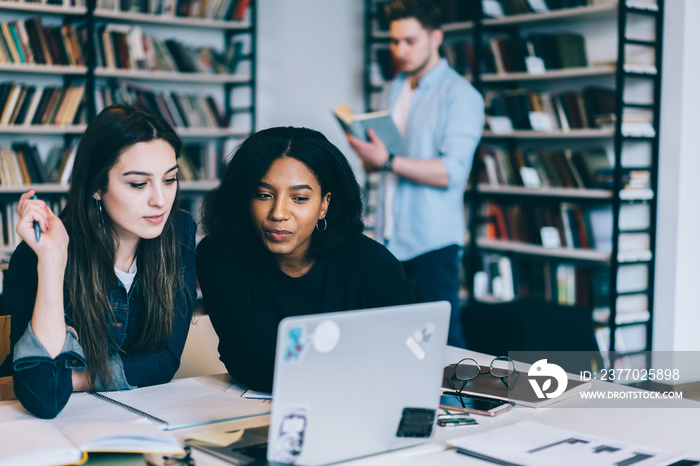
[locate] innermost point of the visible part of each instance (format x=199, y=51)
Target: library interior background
x=583, y=199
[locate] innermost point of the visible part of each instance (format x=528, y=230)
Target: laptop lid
x=355, y=383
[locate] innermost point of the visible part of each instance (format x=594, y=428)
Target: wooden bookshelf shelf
x=546, y=192
x=199, y=78
x=45, y=188
x=568, y=73
x=201, y=186
x=44, y=9
x=458, y=27
x=572, y=134
x=203, y=23
x=535, y=250
x=43, y=69
x=490, y=299
x=43, y=129
x=576, y=13
x=449, y=28
x=212, y=133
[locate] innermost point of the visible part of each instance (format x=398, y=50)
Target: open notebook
x=175, y=405
x=29, y=442
x=126, y=421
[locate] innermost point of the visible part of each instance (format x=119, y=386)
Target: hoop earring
x=100, y=213
x=325, y=224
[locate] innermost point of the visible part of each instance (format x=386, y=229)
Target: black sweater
x=247, y=295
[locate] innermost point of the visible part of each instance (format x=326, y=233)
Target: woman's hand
x=53, y=244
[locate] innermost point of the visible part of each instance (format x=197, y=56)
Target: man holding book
x=420, y=210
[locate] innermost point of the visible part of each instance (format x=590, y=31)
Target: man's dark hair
x=427, y=12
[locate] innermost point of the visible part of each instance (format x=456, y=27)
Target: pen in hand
x=37, y=228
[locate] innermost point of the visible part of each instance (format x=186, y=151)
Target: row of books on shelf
x=504, y=279
x=9, y=238
x=119, y=46
x=501, y=8
x=628, y=338
x=34, y=105
x=588, y=108
x=26, y=41
x=558, y=225
x=535, y=53
x=588, y=168
x=122, y=46
x=556, y=50
x=200, y=161
x=180, y=110
x=456, y=11
x=64, y=3
x=228, y=10
x=21, y=164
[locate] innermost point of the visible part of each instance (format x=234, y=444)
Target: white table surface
x=671, y=429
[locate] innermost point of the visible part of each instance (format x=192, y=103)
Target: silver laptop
x=355, y=383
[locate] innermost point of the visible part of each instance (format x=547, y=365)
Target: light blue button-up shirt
x=445, y=122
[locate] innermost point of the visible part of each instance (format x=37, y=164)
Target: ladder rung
x=643, y=43
x=642, y=7
x=638, y=230
x=636, y=105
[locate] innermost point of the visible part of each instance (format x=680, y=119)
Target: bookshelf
x=606, y=258
x=192, y=62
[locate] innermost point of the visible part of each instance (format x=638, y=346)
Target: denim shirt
x=43, y=385
x=445, y=122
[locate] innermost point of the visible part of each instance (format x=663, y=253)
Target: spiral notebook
x=175, y=405
x=183, y=403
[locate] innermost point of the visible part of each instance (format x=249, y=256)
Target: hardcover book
x=381, y=122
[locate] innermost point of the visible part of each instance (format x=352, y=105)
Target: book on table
x=36, y=442
x=120, y=421
x=380, y=122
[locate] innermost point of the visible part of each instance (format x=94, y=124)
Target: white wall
x=677, y=303
x=310, y=58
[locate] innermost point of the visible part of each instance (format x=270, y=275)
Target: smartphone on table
x=475, y=405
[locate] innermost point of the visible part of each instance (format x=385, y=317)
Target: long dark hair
x=227, y=208
x=94, y=242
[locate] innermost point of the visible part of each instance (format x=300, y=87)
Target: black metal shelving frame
x=474, y=197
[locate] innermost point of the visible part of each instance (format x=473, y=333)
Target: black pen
x=37, y=228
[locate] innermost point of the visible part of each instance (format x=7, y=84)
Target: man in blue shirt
x=420, y=208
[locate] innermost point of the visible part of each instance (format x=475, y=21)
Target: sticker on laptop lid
x=419, y=342
x=416, y=422
x=326, y=336
x=287, y=440
x=297, y=343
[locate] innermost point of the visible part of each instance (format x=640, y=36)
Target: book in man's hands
x=381, y=122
